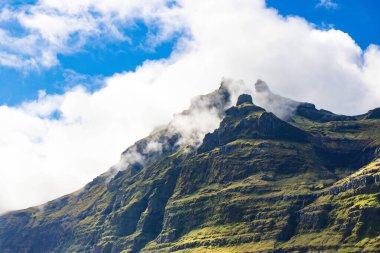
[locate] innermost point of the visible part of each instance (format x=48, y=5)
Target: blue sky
x=359, y=18
x=93, y=61
x=55, y=144
x=87, y=66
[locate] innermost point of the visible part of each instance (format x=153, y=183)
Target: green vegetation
x=257, y=184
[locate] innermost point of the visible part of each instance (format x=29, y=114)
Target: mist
x=44, y=157
x=186, y=130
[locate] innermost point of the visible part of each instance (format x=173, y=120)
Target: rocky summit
x=307, y=182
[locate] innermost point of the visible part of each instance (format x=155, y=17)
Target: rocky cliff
x=307, y=182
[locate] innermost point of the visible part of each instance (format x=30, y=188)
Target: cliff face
x=256, y=184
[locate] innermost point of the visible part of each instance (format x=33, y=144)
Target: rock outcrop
x=258, y=183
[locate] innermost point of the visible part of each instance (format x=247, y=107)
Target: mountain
x=291, y=178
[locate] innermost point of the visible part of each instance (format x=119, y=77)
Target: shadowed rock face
x=309, y=111
x=244, y=98
x=373, y=114
x=256, y=184
x=247, y=121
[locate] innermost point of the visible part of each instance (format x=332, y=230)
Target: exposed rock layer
x=256, y=184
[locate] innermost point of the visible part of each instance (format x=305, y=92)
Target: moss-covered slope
x=256, y=184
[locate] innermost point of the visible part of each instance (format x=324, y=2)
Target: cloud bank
x=32, y=36
x=56, y=144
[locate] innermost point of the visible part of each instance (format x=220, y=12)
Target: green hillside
x=258, y=183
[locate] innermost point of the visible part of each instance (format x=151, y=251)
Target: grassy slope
x=251, y=194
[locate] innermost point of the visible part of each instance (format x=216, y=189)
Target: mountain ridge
x=306, y=181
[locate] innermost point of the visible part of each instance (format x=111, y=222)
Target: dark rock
x=256, y=179
x=309, y=111
x=373, y=114
x=244, y=98
x=250, y=122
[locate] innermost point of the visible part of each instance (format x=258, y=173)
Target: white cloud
x=54, y=27
x=43, y=157
x=328, y=4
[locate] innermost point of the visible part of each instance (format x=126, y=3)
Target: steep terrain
x=308, y=182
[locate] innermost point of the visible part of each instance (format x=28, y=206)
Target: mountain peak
x=250, y=122
x=244, y=98
x=256, y=183
x=282, y=107
x=261, y=86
